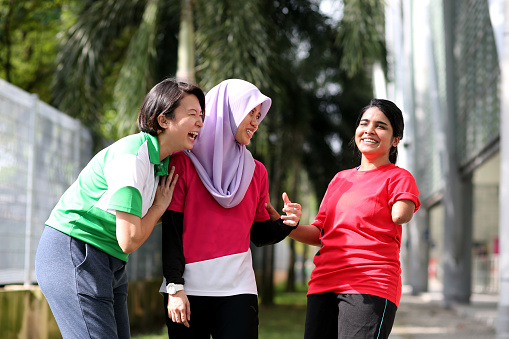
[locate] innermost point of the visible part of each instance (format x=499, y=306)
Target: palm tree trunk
x=186, y=62
x=290, y=280
x=267, y=288
x=303, y=273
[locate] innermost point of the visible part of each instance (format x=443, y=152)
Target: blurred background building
x=447, y=71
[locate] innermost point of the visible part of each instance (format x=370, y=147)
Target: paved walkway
x=425, y=317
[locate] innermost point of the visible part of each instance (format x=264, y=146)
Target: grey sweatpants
x=86, y=288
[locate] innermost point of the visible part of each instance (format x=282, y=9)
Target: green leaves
x=27, y=43
x=232, y=42
x=136, y=77
x=361, y=35
x=86, y=52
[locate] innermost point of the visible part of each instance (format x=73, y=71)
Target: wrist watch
x=172, y=288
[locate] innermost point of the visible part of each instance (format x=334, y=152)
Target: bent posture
x=109, y=211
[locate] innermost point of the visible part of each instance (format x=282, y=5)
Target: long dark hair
x=395, y=116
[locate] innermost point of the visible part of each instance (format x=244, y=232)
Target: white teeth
x=193, y=134
x=370, y=141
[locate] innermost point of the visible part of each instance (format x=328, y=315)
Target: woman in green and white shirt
x=109, y=211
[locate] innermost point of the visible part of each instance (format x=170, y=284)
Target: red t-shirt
x=360, y=243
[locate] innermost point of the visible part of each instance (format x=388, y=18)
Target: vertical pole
x=418, y=277
x=27, y=279
x=502, y=322
x=457, y=231
x=417, y=228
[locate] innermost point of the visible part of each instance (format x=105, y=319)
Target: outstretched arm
x=307, y=234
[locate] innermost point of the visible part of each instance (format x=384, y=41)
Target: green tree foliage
x=105, y=46
x=28, y=31
x=233, y=41
x=360, y=32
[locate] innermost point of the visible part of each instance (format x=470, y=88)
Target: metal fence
x=42, y=151
x=477, y=82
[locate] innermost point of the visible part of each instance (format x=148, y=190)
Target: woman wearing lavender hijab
x=219, y=205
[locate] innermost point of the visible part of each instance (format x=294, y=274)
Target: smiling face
x=248, y=126
x=183, y=129
x=374, y=136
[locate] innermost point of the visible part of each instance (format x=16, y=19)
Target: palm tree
x=117, y=50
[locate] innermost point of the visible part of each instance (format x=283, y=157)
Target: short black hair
x=164, y=98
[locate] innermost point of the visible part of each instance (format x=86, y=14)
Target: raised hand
x=293, y=211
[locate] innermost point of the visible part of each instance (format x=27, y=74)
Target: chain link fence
x=42, y=151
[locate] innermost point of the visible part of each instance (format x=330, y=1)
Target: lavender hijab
x=224, y=166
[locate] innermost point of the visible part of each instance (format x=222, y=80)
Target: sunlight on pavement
x=421, y=330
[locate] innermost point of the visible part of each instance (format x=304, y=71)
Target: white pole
x=27, y=279
x=502, y=323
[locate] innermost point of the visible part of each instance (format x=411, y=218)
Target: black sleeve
x=269, y=232
x=173, y=250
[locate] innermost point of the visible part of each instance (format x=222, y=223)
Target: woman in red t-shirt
x=355, y=287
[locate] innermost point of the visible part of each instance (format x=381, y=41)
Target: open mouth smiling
x=369, y=141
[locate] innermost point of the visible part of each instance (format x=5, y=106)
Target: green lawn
x=284, y=320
